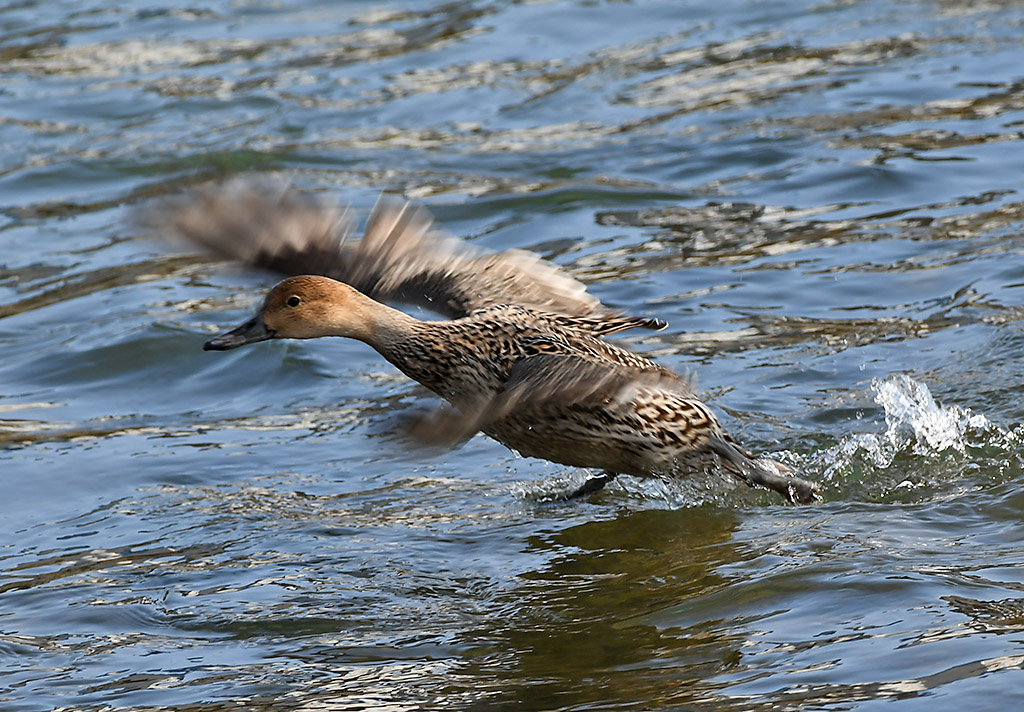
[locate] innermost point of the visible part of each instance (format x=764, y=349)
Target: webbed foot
x=592, y=485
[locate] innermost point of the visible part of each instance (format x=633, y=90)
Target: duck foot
x=592, y=485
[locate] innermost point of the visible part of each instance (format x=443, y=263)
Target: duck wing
x=401, y=257
x=545, y=378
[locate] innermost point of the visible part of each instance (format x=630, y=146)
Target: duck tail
x=765, y=473
x=607, y=324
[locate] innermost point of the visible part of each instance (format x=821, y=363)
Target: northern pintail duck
x=523, y=356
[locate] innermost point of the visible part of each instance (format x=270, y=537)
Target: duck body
x=551, y=387
x=523, y=357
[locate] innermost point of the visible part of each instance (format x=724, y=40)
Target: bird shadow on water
x=556, y=616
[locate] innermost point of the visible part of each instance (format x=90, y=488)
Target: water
x=822, y=199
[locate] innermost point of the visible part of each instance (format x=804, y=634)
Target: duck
x=522, y=355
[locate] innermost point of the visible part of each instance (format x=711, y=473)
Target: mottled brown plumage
x=523, y=359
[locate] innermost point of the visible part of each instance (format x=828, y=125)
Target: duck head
x=305, y=307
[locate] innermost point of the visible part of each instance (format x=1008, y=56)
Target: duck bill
x=248, y=333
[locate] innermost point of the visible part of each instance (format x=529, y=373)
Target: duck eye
x=293, y=301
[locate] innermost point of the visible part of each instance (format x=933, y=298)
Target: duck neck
x=422, y=350
x=383, y=327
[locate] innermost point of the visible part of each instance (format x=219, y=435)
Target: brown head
x=305, y=307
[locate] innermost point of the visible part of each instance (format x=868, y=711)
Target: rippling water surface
x=822, y=198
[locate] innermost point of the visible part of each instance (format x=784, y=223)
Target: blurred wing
x=544, y=381
x=259, y=222
x=548, y=380
x=402, y=256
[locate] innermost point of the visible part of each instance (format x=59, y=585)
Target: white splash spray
x=914, y=418
x=915, y=423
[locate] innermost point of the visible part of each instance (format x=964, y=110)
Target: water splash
x=915, y=420
x=939, y=439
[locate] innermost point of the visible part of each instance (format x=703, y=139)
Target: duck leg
x=592, y=485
